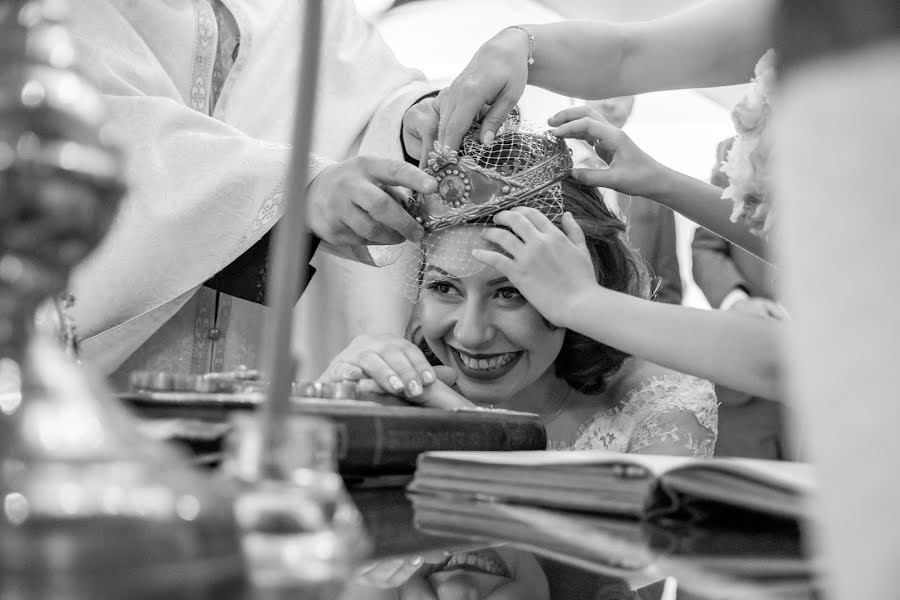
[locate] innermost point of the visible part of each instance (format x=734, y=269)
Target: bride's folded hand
x=630, y=170
x=549, y=266
x=396, y=364
x=391, y=365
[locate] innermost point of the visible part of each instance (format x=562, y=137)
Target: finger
x=575, y=113
x=520, y=225
x=573, y=230
x=447, y=375
x=420, y=364
x=388, y=215
x=379, y=370
x=370, y=387
x=496, y=117
x=429, y=137
x=342, y=371
x=386, y=171
x=536, y=217
x=417, y=588
x=440, y=395
x=458, y=122
x=597, y=132
x=506, y=240
x=401, y=365
x=605, y=178
x=379, y=574
x=404, y=573
x=504, y=264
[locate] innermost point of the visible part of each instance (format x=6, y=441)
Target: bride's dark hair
x=585, y=363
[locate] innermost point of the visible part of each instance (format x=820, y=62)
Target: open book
x=632, y=485
x=719, y=522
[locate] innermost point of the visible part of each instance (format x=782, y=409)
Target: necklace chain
x=547, y=419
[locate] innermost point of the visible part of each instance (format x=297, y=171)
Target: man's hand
x=762, y=307
x=548, y=266
x=496, y=76
x=631, y=170
x=357, y=202
x=420, y=128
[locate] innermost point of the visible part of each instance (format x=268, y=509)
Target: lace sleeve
x=675, y=415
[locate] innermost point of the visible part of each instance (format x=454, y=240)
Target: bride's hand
x=549, y=266
x=396, y=364
x=631, y=170
x=496, y=76
x=389, y=364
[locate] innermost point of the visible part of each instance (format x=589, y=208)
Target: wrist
x=660, y=182
x=516, y=44
x=577, y=302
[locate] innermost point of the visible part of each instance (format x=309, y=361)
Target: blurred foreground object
x=90, y=508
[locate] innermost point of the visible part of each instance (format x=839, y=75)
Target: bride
x=498, y=351
x=476, y=338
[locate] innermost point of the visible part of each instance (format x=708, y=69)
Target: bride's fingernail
x=396, y=383
x=416, y=561
x=428, y=377
x=488, y=138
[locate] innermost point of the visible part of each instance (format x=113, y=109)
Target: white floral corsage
x=748, y=161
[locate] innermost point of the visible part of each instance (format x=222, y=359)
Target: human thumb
x=446, y=374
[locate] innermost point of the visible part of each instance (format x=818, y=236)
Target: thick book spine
x=381, y=441
x=392, y=444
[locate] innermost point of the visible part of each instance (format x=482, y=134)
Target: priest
x=201, y=94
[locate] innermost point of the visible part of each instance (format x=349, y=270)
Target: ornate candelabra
x=89, y=508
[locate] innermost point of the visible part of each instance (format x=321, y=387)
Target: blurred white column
x=838, y=191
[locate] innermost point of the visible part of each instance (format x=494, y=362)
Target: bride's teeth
x=483, y=364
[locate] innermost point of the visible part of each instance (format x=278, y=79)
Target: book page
x=565, y=458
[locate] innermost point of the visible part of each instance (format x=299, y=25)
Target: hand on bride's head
x=548, y=265
x=630, y=170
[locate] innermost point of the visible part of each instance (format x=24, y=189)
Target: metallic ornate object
x=89, y=508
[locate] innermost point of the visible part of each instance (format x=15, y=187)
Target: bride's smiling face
x=478, y=323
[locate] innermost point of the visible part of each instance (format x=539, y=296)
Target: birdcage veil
x=522, y=167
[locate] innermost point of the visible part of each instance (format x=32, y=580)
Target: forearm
x=702, y=203
x=715, y=43
x=739, y=351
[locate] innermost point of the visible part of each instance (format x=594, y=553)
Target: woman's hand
x=631, y=170
x=392, y=573
x=396, y=364
x=496, y=76
x=389, y=364
x=549, y=266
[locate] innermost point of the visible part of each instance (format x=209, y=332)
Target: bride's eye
x=443, y=288
x=509, y=293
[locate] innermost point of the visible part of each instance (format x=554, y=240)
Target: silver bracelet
x=530, y=42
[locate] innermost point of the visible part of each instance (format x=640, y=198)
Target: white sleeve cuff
x=733, y=297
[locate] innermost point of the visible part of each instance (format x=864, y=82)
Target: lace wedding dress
x=667, y=414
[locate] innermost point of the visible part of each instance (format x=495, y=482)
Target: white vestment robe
x=206, y=179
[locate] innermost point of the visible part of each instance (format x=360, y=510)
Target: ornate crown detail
x=485, y=180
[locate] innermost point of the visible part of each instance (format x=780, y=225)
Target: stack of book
x=722, y=521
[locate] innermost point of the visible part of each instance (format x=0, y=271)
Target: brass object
x=90, y=508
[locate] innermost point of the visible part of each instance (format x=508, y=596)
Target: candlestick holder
x=89, y=507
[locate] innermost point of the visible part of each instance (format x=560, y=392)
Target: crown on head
x=519, y=168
